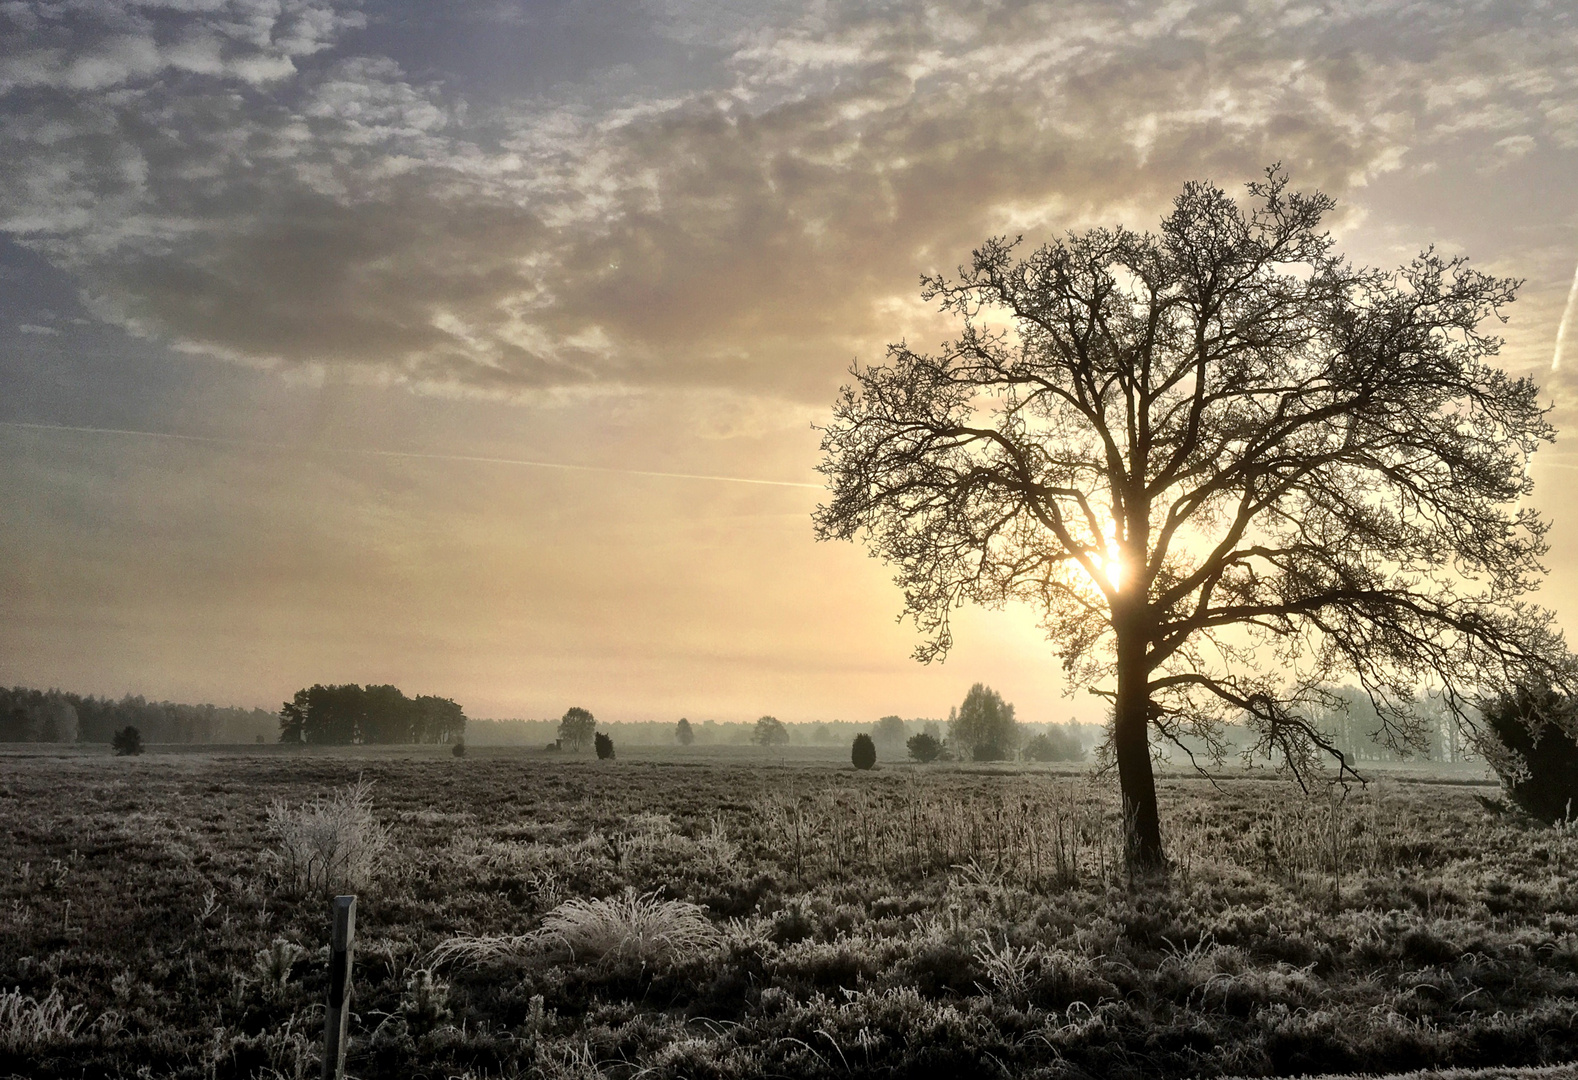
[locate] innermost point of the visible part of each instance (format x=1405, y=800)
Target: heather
x=527, y=914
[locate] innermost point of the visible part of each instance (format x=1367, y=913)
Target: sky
x=476, y=347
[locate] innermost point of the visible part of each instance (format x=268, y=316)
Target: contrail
x=415, y=454
x=1567, y=320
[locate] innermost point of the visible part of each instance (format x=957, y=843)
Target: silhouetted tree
x=683, y=733
x=864, y=752
x=1531, y=743
x=770, y=731
x=576, y=728
x=923, y=748
x=1225, y=466
x=983, y=726
x=605, y=747
x=127, y=742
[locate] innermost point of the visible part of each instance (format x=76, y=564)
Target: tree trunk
x=1132, y=744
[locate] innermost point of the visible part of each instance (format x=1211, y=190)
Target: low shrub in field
x=924, y=748
x=605, y=746
x=330, y=845
x=26, y=1023
x=864, y=752
x=638, y=927
x=126, y=742
x=1539, y=758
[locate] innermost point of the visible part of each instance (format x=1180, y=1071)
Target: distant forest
x=57, y=716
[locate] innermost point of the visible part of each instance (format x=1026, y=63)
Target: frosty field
x=735, y=914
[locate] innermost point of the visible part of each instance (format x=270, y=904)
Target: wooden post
x=334, y=1023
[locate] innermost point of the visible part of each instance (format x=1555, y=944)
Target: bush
x=605, y=747
x=328, y=846
x=459, y=748
x=864, y=752
x=924, y=748
x=1535, y=753
x=639, y=928
x=127, y=741
x=1055, y=744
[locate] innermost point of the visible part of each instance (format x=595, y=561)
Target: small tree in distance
x=864, y=752
x=889, y=731
x=983, y=728
x=605, y=747
x=127, y=742
x=770, y=731
x=1225, y=467
x=683, y=733
x=924, y=748
x=576, y=729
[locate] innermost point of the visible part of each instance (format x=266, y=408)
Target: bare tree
x=1227, y=468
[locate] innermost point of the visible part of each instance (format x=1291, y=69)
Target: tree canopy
x=1229, y=470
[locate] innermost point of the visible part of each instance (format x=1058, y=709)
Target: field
x=731, y=914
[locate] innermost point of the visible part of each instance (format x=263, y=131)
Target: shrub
x=924, y=748
x=605, y=746
x=26, y=1023
x=639, y=928
x=1534, y=751
x=127, y=741
x=864, y=752
x=459, y=749
x=331, y=845
x=683, y=732
x=1055, y=744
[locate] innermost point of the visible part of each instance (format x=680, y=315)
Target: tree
x=924, y=748
x=770, y=731
x=1226, y=467
x=863, y=753
x=1056, y=743
x=984, y=727
x=127, y=742
x=1531, y=740
x=576, y=728
x=605, y=747
x=683, y=733
x=889, y=731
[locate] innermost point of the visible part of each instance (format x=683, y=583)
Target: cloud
x=749, y=233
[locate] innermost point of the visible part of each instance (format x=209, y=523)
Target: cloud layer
x=257, y=181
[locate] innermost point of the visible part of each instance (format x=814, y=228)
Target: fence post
x=340, y=950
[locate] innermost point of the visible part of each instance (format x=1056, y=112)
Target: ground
x=742, y=912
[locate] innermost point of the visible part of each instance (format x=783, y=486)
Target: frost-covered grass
x=536, y=917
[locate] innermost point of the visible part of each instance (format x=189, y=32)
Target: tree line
x=352, y=714
x=58, y=716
